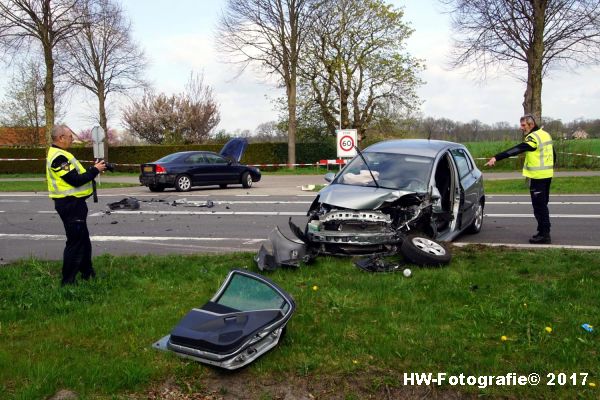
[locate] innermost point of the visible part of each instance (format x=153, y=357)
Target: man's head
x=527, y=123
x=62, y=136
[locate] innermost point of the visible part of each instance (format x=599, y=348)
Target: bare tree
x=271, y=34
x=188, y=117
x=45, y=23
x=103, y=57
x=535, y=34
x=354, y=64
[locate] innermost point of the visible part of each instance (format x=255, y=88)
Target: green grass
x=95, y=338
x=562, y=185
x=42, y=186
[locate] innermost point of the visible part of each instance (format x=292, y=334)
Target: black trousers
x=77, y=256
x=540, y=195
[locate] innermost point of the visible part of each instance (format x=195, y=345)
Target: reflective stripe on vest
x=57, y=187
x=539, y=163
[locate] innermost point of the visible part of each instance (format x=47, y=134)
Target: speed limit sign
x=346, y=142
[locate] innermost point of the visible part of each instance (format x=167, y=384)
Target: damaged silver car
x=397, y=196
x=245, y=318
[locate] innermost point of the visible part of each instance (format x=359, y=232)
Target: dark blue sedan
x=186, y=169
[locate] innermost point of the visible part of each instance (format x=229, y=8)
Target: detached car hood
x=234, y=149
x=359, y=197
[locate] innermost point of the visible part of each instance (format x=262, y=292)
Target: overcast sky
x=178, y=37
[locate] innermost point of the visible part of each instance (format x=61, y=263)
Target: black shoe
x=540, y=239
x=536, y=236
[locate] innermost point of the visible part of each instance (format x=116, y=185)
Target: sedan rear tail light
x=159, y=169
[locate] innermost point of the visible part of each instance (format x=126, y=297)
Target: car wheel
x=156, y=188
x=421, y=250
x=246, y=180
x=477, y=223
x=223, y=186
x=183, y=183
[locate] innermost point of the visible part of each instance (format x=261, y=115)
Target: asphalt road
x=242, y=218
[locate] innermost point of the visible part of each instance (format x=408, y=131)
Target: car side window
x=462, y=162
x=215, y=159
x=195, y=159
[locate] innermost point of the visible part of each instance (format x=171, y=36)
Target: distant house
x=18, y=136
x=580, y=134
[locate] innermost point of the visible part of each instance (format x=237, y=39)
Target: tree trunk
x=49, y=92
x=532, y=103
x=291, y=92
x=103, y=120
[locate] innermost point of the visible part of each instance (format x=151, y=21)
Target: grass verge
x=562, y=185
x=42, y=186
x=95, y=338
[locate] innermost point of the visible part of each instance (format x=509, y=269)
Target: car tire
x=183, y=183
x=247, y=180
x=477, y=223
x=223, y=186
x=421, y=250
x=156, y=188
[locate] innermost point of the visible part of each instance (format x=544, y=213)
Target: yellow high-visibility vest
x=539, y=164
x=57, y=187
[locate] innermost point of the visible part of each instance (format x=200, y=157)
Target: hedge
x=256, y=153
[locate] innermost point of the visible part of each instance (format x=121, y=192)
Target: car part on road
x=245, y=318
x=128, y=203
x=187, y=203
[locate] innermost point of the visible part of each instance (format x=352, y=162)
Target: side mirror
x=329, y=177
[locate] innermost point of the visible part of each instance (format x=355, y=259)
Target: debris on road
x=187, y=203
x=128, y=203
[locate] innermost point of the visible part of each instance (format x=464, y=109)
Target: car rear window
x=169, y=158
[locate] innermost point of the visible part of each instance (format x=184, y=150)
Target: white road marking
x=15, y=201
x=252, y=195
x=101, y=238
x=551, y=195
x=588, y=203
x=136, y=212
x=529, y=246
x=551, y=216
x=265, y=202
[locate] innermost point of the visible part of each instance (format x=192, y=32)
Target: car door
x=468, y=189
x=197, y=168
x=244, y=319
x=221, y=170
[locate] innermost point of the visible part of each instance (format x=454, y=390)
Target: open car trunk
x=244, y=319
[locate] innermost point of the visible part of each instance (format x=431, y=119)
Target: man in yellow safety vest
x=539, y=168
x=69, y=185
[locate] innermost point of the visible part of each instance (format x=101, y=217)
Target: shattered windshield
x=247, y=294
x=392, y=171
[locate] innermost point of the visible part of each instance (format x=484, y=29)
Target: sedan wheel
x=421, y=250
x=477, y=223
x=247, y=180
x=183, y=183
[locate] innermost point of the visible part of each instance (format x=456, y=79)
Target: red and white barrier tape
x=579, y=154
x=315, y=164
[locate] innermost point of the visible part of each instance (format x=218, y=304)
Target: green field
x=353, y=335
x=486, y=150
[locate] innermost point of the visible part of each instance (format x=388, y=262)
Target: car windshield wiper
x=367, y=164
